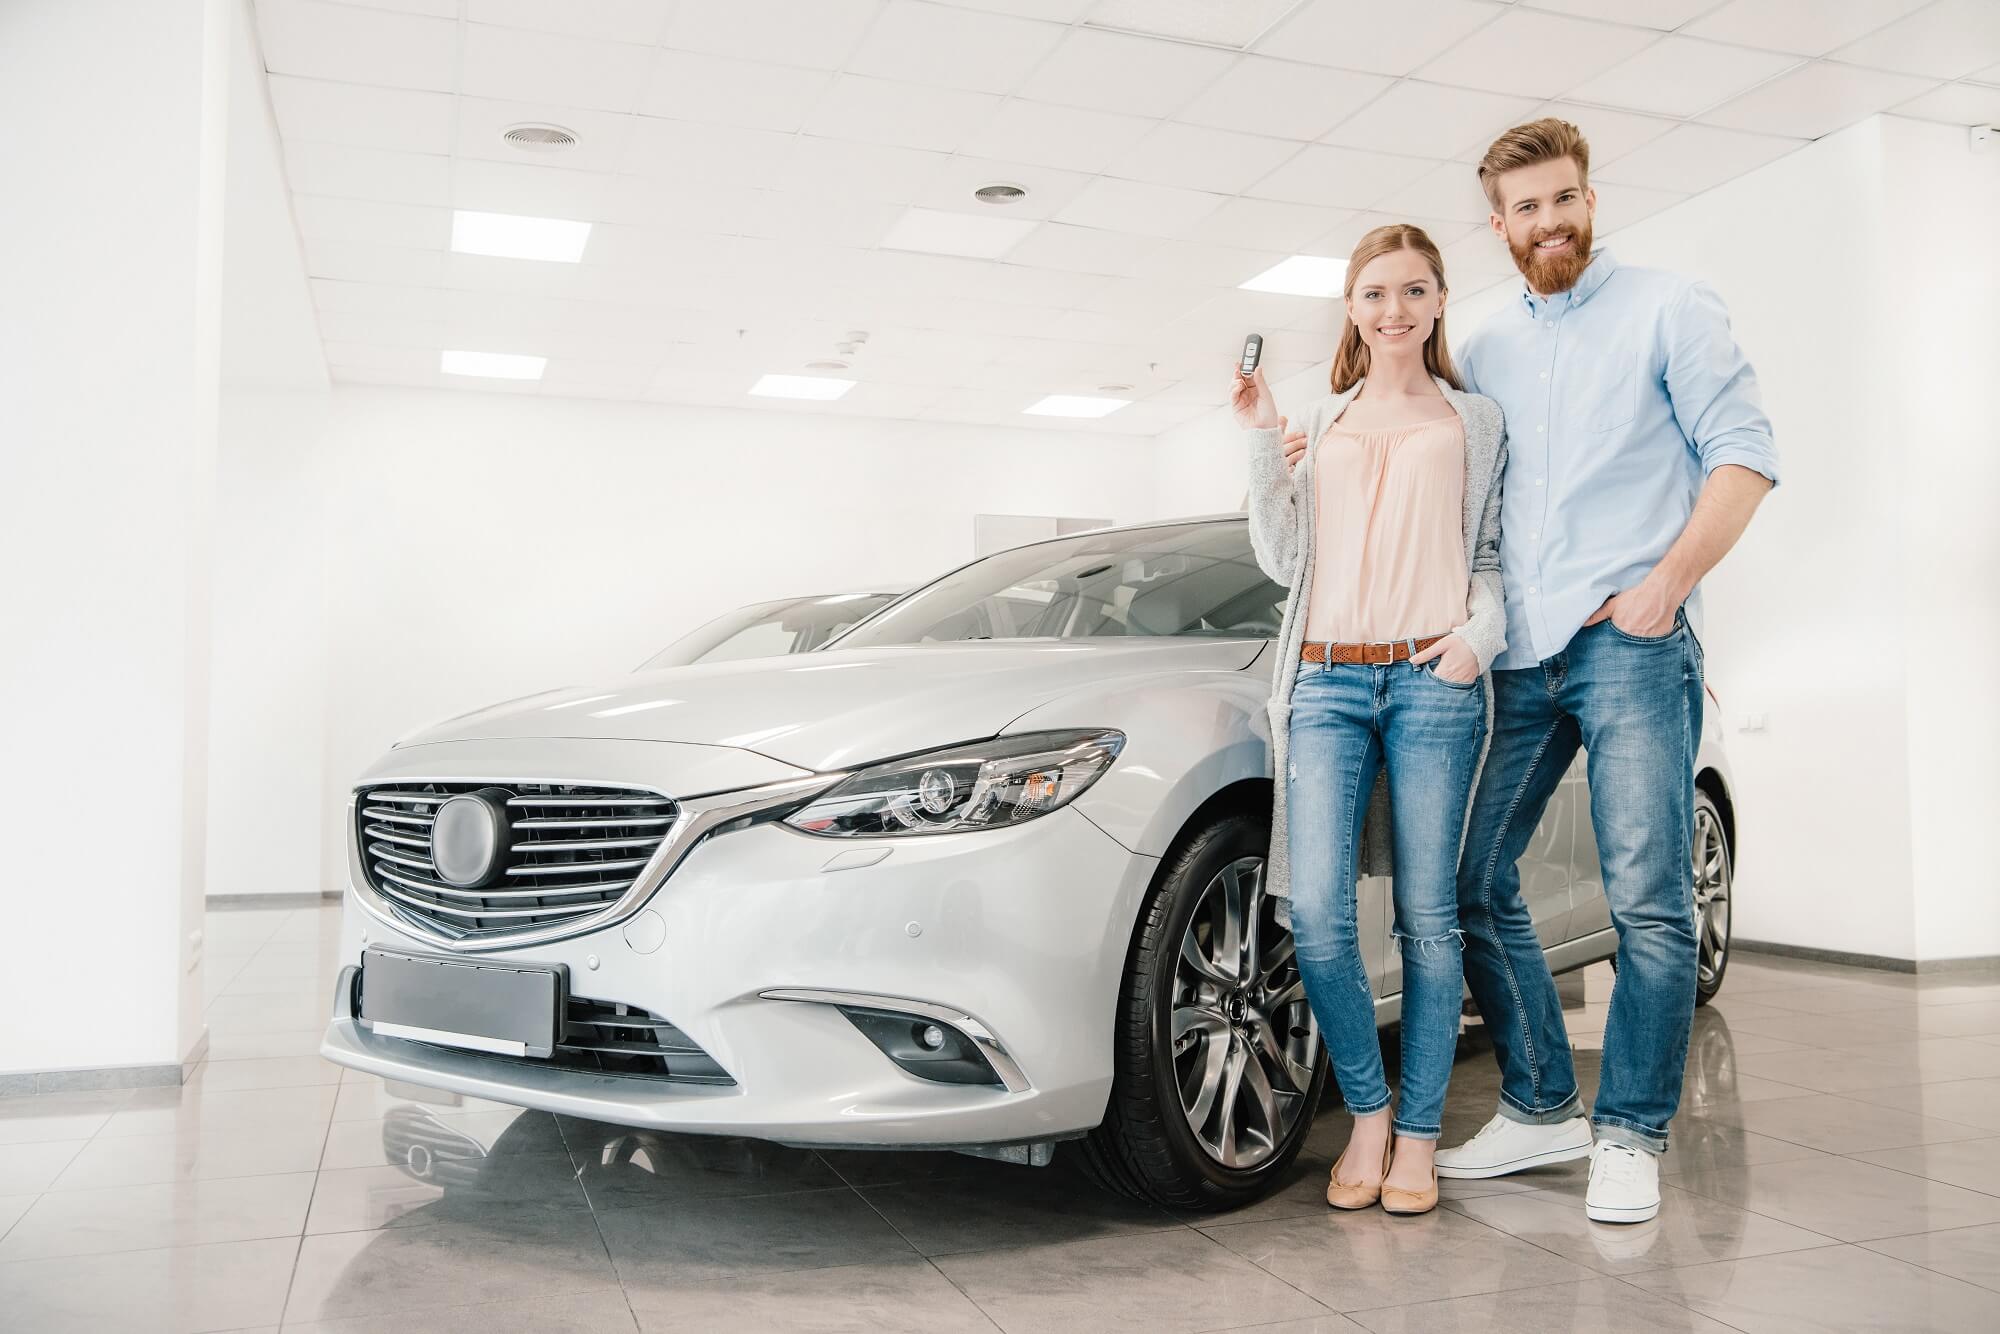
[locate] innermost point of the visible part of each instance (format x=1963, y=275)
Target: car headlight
x=983, y=785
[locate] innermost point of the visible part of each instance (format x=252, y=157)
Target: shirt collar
x=1600, y=268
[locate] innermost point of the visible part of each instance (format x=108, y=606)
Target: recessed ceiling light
x=1000, y=193
x=936, y=232
x=1114, y=388
x=823, y=387
x=826, y=365
x=538, y=138
x=513, y=237
x=1302, y=275
x=1075, y=405
x=493, y=365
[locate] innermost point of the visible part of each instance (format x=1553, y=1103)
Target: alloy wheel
x=1711, y=896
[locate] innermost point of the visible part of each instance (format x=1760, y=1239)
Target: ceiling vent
x=539, y=138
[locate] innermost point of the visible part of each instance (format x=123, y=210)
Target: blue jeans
x=1348, y=723
x=1634, y=705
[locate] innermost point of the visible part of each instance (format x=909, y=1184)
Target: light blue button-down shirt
x=1621, y=396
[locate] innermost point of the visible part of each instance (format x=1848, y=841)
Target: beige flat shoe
x=1355, y=1194
x=1396, y=1200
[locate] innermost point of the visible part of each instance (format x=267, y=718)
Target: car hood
x=837, y=708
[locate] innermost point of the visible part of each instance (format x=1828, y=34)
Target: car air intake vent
x=617, y=1039
x=527, y=854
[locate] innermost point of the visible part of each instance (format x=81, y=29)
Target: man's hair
x=1542, y=140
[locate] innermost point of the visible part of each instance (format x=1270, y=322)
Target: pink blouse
x=1390, y=556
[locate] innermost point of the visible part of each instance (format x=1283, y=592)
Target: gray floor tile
x=1960, y=1020
x=195, y=1109
x=268, y=1072
x=194, y=1155
x=695, y=1240
x=1601, y=1304
x=1823, y=1070
x=365, y=1098
x=601, y=1312
x=1833, y=1290
x=1155, y=1283
x=251, y=1046
x=1836, y=1124
x=503, y=1255
x=892, y=1167
x=1972, y=1102
x=1690, y=1230
x=621, y=1167
x=41, y=1117
x=1973, y=1163
x=1330, y=1323
x=1933, y=1059
x=358, y=1199
x=1011, y=1207
x=228, y=1285
x=11, y=1209
x=1704, y=1093
x=1843, y=1198
x=267, y=1014
x=1698, y=1144
x=1355, y=1261
x=1813, y=1030
x=1302, y=1195
x=446, y=1133
x=133, y=1218
x=1868, y=1000
x=27, y=1169
x=1969, y=1253
x=900, y=1297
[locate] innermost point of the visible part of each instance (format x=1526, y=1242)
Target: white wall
x=107, y=438
x=485, y=546
x=1859, y=274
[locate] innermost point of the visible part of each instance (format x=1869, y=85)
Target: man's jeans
x=1348, y=722
x=1635, y=707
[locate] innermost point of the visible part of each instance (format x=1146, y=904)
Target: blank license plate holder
x=504, y=1008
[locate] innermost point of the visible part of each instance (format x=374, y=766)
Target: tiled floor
x=1836, y=1166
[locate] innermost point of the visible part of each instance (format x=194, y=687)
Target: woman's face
x=1395, y=303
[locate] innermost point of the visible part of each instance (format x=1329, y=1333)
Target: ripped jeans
x=1348, y=724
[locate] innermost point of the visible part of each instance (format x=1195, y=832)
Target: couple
x=1479, y=586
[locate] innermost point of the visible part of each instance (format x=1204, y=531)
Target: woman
x=1388, y=533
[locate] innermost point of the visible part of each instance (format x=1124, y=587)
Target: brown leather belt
x=1368, y=655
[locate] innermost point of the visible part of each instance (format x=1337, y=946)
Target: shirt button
x=1534, y=590
x=1545, y=375
x=1550, y=323
x=1542, y=426
x=1538, y=481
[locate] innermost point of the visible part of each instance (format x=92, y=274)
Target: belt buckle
x=1388, y=648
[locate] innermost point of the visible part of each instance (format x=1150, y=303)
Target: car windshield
x=1189, y=579
x=769, y=629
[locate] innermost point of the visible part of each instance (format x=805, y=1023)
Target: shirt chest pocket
x=1602, y=385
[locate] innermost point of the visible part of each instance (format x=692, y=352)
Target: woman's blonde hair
x=1350, y=361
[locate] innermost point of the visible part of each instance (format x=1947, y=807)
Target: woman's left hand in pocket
x=1455, y=661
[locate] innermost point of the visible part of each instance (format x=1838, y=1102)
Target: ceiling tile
x=782, y=216
x=1430, y=120
x=1110, y=71
x=368, y=173
x=1956, y=104
x=902, y=115
x=1259, y=95
x=1375, y=38
x=538, y=192
x=640, y=21
x=715, y=89
x=824, y=168
x=820, y=35
x=447, y=9
x=1679, y=76
x=1149, y=210
x=656, y=201
x=1535, y=54
x=1693, y=158
x=1610, y=133
x=1803, y=27
x=344, y=113
x=1476, y=259
x=1201, y=158
x=953, y=183
x=1215, y=265
x=600, y=135
x=1065, y=137
x=1340, y=241
x=1816, y=99
x=412, y=304
x=1666, y=15
x=1056, y=245
x=1990, y=75
x=332, y=219
x=1339, y=177
x=1945, y=41
x=1056, y=11
x=700, y=155
x=1265, y=223
x=1451, y=193
x=348, y=261
x=364, y=46
x=512, y=64
x=381, y=357
x=372, y=327
x=1622, y=205
x=929, y=44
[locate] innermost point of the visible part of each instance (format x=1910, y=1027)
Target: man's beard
x=1549, y=274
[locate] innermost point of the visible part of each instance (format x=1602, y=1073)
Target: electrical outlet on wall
x=1749, y=722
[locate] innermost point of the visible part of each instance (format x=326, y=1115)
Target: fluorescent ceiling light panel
x=937, y=232
x=493, y=365
x=511, y=236
x=1302, y=275
x=1075, y=405
x=822, y=387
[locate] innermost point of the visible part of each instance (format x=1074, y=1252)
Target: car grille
x=618, y=1039
x=572, y=851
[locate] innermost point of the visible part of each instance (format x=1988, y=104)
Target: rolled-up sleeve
x=1713, y=387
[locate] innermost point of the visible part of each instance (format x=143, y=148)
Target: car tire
x=1149, y=1145
x=1714, y=885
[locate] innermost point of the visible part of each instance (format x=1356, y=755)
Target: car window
x=1189, y=580
x=770, y=629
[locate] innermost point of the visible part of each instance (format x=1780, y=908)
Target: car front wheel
x=1713, y=879
x=1218, y=1061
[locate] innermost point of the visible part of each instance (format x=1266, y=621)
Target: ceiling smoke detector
x=539, y=138
x=1000, y=193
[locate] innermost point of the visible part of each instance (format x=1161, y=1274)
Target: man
x=1638, y=450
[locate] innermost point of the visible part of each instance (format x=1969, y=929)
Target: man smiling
x=1638, y=450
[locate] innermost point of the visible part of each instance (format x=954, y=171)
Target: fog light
x=932, y=1037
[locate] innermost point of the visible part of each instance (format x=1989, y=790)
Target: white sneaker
x=1624, y=1185
x=1506, y=1145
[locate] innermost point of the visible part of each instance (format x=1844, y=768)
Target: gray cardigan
x=1282, y=534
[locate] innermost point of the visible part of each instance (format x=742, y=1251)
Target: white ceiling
x=743, y=162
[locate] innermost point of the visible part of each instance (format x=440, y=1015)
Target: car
x=769, y=629
x=985, y=873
